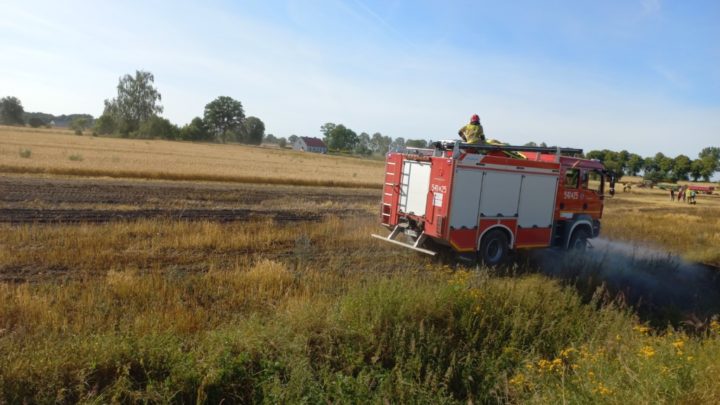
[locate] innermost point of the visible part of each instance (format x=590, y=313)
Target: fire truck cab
x=488, y=200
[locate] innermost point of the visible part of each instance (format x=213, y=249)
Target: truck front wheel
x=494, y=248
x=579, y=239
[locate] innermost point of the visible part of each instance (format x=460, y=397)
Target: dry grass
x=53, y=152
x=166, y=311
x=315, y=312
x=649, y=216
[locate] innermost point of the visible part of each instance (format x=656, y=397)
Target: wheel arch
x=504, y=228
x=577, y=224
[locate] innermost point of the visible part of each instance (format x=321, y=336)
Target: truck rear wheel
x=494, y=248
x=579, y=239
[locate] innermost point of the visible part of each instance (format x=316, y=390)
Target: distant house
x=308, y=144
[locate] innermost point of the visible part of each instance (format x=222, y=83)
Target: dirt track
x=25, y=199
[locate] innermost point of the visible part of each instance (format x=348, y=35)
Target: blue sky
x=640, y=75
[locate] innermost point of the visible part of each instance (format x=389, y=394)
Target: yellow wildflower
x=690, y=358
x=678, y=344
x=518, y=379
x=641, y=329
x=602, y=389
x=544, y=365
x=647, y=351
x=567, y=352
x=715, y=326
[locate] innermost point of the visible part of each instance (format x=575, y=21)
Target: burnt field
x=176, y=291
x=26, y=199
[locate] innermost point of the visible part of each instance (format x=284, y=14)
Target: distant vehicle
x=702, y=189
x=486, y=200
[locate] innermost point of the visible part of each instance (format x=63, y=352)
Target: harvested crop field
x=57, y=152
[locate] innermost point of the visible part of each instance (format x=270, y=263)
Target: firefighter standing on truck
x=472, y=132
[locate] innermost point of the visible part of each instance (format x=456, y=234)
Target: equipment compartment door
x=500, y=194
x=465, y=199
x=414, y=187
x=537, y=201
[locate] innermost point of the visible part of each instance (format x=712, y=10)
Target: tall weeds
x=326, y=317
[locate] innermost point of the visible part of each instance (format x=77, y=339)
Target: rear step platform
x=414, y=246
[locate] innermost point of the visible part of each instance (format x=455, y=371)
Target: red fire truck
x=702, y=189
x=487, y=200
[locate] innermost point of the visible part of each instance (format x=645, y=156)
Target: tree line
x=12, y=112
x=135, y=113
x=661, y=167
x=342, y=139
x=338, y=137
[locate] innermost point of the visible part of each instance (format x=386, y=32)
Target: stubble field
x=25, y=150
x=129, y=290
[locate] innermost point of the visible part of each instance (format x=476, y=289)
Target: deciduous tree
x=681, y=167
x=254, y=131
x=635, y=163
x=158, y=127
x=224, y=116
x=11, y=111
x=341, y=138
x=380, y=143
x=78, y=125
x=105, y=125
x=416, y=143
x=196, y=130
x=137, y=100
x=36, y=122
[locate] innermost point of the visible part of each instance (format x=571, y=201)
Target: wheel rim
x=580, y=243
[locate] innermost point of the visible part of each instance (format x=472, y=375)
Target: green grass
x=267, y=334
x=313, y=313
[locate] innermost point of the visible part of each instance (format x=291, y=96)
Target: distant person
x=472, y=132
x=672, y=194
x=691, y=199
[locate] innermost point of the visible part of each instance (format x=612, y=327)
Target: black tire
x=494, y=248
x=579, y=239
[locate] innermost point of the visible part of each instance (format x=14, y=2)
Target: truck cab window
x=571, y=178
x=593, y=180
x=585, y=179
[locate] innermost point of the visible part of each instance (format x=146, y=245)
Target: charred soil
x=60, y=200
